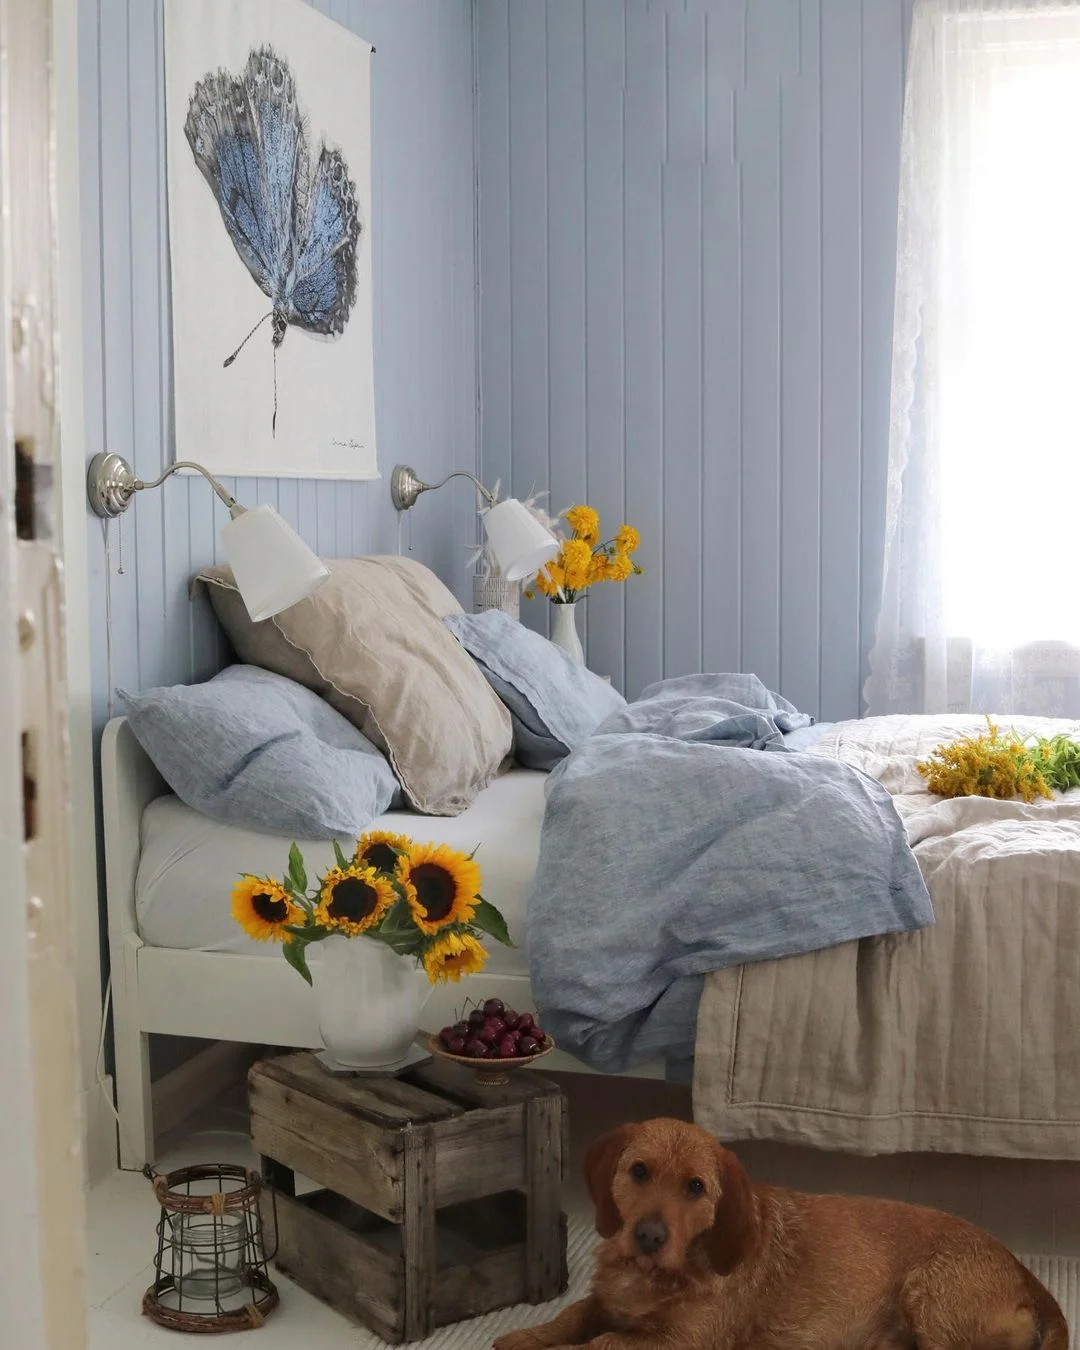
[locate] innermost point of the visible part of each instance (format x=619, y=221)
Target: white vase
x=564, y=632
x=369, y=1000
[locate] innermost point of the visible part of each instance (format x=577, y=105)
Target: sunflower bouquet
x=421, y=900
x=583, y=560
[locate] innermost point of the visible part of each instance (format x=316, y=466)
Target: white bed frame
x=216, y=996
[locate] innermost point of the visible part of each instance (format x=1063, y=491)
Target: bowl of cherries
x=492, y=1039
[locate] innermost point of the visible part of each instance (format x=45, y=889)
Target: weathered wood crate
x=439, y=1200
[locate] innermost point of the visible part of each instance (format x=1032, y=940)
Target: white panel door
x=42, y=1229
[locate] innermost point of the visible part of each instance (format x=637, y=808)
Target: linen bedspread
x=963, y=1037
x=683, y=837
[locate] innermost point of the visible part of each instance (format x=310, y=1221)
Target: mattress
x=189, y=862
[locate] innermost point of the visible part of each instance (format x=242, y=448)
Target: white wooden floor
x=1032, y=1207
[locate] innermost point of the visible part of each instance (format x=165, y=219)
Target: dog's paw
x=519, y=1340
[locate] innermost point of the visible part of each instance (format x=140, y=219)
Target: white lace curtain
x=980, y=607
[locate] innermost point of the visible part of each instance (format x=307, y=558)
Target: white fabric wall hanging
x=269, y=178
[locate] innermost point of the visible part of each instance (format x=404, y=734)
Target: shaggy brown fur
x=696, y=1258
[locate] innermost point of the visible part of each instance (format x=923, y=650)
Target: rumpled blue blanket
x=673, y=846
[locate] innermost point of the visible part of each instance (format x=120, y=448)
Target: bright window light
x=1010, y=341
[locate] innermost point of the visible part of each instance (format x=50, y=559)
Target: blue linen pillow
x=258, y=750
x=554, y=703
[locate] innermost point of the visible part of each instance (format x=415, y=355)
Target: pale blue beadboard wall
x=687, y=226
x=425, y=339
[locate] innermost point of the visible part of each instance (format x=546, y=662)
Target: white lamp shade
x=519, y=542
x=272, y=565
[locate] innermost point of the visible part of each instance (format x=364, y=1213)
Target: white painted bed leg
x=136, y=1135
x=132, y=1052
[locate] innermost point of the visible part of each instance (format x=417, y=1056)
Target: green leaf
x=297, y=874
x=342, y=861
x=398, y=919
x=404, y=944
x=311, y=934
x=296, y=955
x=488, y=919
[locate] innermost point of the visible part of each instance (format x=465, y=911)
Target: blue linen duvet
x=686, y=836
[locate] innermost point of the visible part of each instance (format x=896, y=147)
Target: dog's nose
x=650, y=1234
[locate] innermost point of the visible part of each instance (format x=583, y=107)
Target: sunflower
x=440, y=884
x=453, y=955
x=353, y=899
x=380, y=849
x=264, y=908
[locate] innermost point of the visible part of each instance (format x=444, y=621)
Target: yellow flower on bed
x=453, y=955
x=264, y=909
x=380, y=849
x=441, y=885
x=353, y=899
x=988, y=765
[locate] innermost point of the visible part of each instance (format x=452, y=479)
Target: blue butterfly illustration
x=296, y=230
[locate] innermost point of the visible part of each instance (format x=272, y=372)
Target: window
x=1009, y=364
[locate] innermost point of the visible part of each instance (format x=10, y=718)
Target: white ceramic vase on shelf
x=369, y=1001
x=564, y=632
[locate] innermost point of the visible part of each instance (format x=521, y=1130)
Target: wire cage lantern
x=211, y=1272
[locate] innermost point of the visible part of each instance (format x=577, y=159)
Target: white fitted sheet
x=188, y=864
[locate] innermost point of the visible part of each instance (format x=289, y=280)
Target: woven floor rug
x=1060, y=1274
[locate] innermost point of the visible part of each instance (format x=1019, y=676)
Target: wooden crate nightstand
x=441, y=1197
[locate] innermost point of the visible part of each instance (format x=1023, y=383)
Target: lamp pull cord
x=108, y=618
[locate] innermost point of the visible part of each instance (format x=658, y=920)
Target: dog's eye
x=695, y=1186
x=639, y=1171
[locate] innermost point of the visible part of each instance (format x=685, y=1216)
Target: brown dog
x=695, y=1258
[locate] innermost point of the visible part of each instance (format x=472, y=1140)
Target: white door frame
x=99, y=1124
x=42, y=1225
x=22, y=1294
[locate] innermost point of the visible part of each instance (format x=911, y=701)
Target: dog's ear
x=734, y=1232
x=601, y=1161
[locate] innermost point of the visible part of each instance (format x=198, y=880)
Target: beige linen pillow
x=372, y=642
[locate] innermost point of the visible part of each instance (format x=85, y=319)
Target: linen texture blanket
x=962, y=1038
x=682, y=838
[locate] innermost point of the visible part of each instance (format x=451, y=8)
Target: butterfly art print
x=268, y=138
x=292, y=217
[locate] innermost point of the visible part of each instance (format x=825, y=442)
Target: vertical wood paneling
x=841, y=356
x=645, y=135
x=882, y=66
x=496, y=296
x=530, y=311
x=738, y=207
x=800, y=356
x=423, y=168
x=604, y=170
x=565, y=277
x=757, y=147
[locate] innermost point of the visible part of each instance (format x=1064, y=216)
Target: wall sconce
x=272, y=565
x=517, y=539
